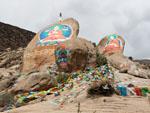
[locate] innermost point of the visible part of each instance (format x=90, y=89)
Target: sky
x=97, y=18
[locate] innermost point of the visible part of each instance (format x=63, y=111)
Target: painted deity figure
x=55, y=34
x=113, y=43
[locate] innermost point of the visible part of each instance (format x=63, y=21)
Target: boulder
x=39, y=54
x=111, y=44
x=75, y=54
x=34, y=81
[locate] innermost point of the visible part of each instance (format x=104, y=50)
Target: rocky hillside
x=66, y=73
x=13, y=40
x=144, y=62
x=13, y=37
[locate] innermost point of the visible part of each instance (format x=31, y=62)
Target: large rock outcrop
x=39, y=53
x=112, y=46
x=75, y=54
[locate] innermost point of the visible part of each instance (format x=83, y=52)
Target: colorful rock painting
x=113, y=43
x=55, y=34
x=62, y=57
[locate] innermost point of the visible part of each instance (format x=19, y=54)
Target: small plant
x=62, y=78
x=103, y=88
x=100, y=59
x=78, y=111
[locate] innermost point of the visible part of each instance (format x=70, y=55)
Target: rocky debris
x=75, y=55
x=35, y=81
x=6, y=101
x=6, y=72
x=13, y=37
x=7, y=82
x=7, y=78
x=38, y=57
x=111, y=44
x=11, y=59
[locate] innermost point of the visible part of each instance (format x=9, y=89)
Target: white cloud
x=129, y=18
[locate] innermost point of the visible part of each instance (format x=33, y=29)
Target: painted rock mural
x=75, y=55
x=40, y=52
x=54, y=34
x=62, y=55
x=111, y=44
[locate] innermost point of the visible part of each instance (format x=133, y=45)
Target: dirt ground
x=114, y=104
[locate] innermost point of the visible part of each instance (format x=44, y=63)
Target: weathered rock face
x=75, y=54
x=111, y=44
x=38, y=59
x=39, y=53
x=123, y=64
x=119, y=61
x=33, y=82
